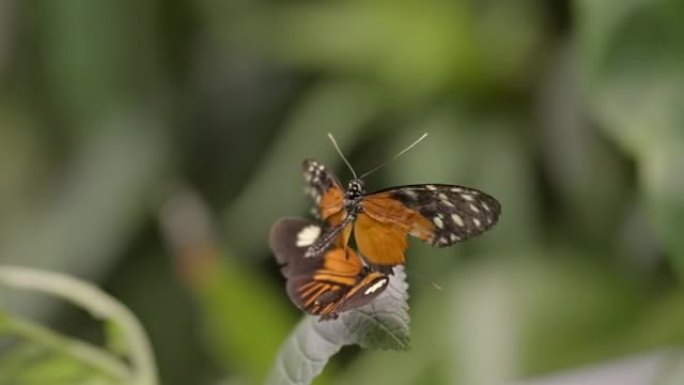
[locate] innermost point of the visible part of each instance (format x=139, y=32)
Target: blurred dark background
x=148, y=146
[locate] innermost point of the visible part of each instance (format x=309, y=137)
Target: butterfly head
x=354, y=193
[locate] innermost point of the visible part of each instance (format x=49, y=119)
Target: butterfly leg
x=324, y=241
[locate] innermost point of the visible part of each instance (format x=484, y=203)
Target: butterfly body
x=351, y=203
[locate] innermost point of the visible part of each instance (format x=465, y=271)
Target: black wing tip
x=497, y=204
x=496, y=209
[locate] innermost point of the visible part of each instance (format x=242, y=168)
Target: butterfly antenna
x=402, y=152
x=334, y=142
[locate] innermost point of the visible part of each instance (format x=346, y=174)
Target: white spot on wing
x=454, y=237
x=307, y=235
x=467, y=197
x=438, y=222
x=457, y=220
x=485, y=206
x=477, y=222
x=410, y=193
x=430, y=187
x=456, y=189
x=474, y=208
x=375, y=286
x=444, y=199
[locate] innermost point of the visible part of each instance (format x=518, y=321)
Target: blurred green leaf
x=70, y=229
x=663, y=184
x=140, y=370
x=382, y=324
x=672, y=370
x=663, y=323
x=55, y=369
x=591, y=208
x=84, y=60
x=115, y=338
x=416, y=46
x=633, y=59
x=8, y=20
x=503, y=318
x=413, y=48
x=244, y=319
x=36, y=355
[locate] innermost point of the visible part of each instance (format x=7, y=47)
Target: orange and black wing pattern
x=438, y=214
x=326, y=285
x=328, y=197
x=325, y=191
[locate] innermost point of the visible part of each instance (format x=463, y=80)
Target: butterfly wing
x=325, y=190
x=340, y=284
x=381, y=243
x=438, y=214
x=327, y=285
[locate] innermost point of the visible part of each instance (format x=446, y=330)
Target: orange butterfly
x=439, y=214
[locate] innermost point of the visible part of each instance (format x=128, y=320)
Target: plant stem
x=79, y=350
x=101, y=305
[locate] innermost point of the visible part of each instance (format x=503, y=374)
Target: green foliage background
x=148, y=146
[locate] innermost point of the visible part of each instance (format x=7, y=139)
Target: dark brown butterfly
x=325, y=285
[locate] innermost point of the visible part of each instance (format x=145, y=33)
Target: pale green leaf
x=382, y=324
